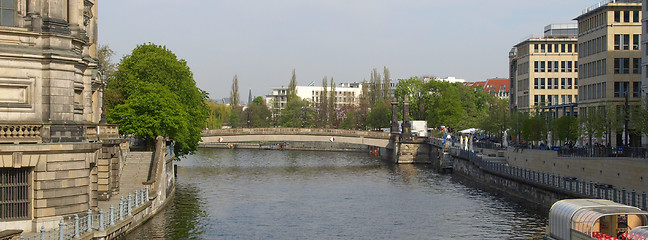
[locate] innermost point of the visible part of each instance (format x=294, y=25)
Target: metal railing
x=79, y=225
x=629, y=152
x=557, y=182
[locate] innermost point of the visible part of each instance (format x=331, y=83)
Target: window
x=635, y=16
x=535, y=48
x=555, y=83
x=620, y=88
x=563, y=66
x=555, y=66
x=635, y=42
x=542, y=83
x=617, y=42
x=542, y=66
x=626, y=16
x=636, y=89
x=569, y=66
x=542, y=48
x=14, y=193
x=536, y=66
x=617, y=16
x=569, y=48
x=622, y=65
x=536, y=83
x=7, y=10
x=549, y=83
x=562, y=48
x=604, y=90
x=549, y=48
x=636, y=65
x=625, y=45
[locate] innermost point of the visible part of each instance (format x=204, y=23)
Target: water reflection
x=257, y=194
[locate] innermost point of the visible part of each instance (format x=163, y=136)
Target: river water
x=263, y=194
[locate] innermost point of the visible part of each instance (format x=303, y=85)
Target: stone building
x=56, y=157
x=543, y=71
x=609, y=36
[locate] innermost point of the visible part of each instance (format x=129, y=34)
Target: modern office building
x=544, y=71
x=644, y=58
x=610, y=60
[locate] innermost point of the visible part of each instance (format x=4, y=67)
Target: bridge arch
x=377, y=139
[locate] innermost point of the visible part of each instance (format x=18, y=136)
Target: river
x=264, y=194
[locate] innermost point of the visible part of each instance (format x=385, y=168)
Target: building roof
x=493, y=85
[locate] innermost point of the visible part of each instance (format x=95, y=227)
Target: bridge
x=369, y=138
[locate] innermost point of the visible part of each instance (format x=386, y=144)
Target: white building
x=345, y=94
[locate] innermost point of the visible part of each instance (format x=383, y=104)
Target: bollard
x=101, y=220
x=129, y=206
x=112, y=215
x=89, y=220
x=136, y=199
x=76, y=226
x=121, y=208
x=42, y=232
x=61, y=230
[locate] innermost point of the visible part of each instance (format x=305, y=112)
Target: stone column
x=406, y=127
x=394, y=122
x=73, y=16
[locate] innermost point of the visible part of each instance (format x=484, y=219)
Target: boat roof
x=638, y=233
x=581, y=215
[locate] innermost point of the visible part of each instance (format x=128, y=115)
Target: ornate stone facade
x=50, y=111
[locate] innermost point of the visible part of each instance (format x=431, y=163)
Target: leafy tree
x=639, y=117
x=324, y=104
x=496, y=120
x=588, y=123
x=104, y=55
x=157, y=65
x=387, y=82
x=258, y=113
x=515, y=122
x=414, y=88
x=534, y=129
x=151, y=111
x=349, y=116
x=379, y=116
x=234, y=94
x=235, y=118
x=218, y=113
x=331, y=104
x=297, y=113
x=565, y=129
x=292, y=86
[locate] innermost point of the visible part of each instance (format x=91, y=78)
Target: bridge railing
x=295, y=131
x=556, y=182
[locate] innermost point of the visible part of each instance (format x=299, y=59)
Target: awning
x=638, y=233
x=581, y=215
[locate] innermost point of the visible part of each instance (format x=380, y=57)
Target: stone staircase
x=135, y=172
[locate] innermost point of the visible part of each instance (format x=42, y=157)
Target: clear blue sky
x=262, y=41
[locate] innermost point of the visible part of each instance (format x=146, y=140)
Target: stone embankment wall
x=631, y=173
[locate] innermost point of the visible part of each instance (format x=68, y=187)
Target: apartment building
x=610, y=60
x=644, y=58
x=544, y=71
x=345, y=94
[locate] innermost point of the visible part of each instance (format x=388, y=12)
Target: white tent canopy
x=469, y=131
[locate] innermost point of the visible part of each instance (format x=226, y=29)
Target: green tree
x=234, y=94
x=104, y=55
x=565, y=129
x=379, y=116
x=639, y=117
x=297, y=113
x=588, y=121
x=331, y=104
x=534, y=129
x=151, y=111
x=496, y=120
x=258, y=113
x=386, y=82
x=515, y=122
x=218, y=114
x=292, y=86
x=324, y=105
x=157, y=65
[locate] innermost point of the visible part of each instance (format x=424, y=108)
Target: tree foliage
x=497, y=117
x=234, y=93
x=565, y=129
x=534, y=129
x=258, y=113
x=379, y=116
x=298, y=113
x=151, y=67
x=218, y=114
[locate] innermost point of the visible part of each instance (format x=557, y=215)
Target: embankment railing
x=572, y=185
x=77, y=226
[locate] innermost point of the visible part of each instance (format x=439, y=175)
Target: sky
x=262, y=41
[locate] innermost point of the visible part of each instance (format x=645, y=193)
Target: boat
x=596, y=219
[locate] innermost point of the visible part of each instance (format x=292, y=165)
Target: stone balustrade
x=295, y=131
x=20, y=133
